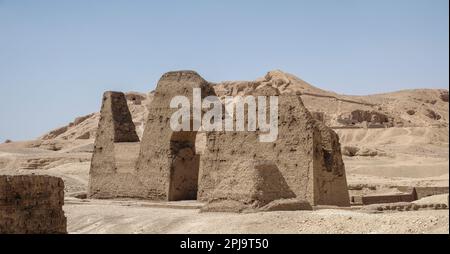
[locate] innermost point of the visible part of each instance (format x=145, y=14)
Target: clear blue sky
x=57, y=57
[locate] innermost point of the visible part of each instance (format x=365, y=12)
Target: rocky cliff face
x=413, y=108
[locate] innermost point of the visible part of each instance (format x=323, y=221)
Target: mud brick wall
x=167, y=161
x=427, y=191
x=307, y=153
x=150, y=169
x=32, y=204
x=368, y=200
x=330, y=180
x=115, y=151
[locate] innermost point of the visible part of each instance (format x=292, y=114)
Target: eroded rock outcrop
x=352, y=151
x=432, y=115
x=357, y=117
x=444, y=96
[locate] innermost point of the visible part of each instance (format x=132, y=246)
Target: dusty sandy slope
x=411, y=150
x=412, y=156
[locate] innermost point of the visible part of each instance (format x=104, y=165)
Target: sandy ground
x=413, y=157
x=100, y=216
x=413, y=153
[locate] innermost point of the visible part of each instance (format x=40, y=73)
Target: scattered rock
x=444, y=96
x=411, y=112
x=350, y=150
x=360, y=116
x=433, y=115
x=370, y=152
x=79, y=195
x=401, y=206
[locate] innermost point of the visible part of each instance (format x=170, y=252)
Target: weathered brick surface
x=306, y=152
x=150, y=173
x=31, y=204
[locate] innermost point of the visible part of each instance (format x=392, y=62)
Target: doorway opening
x=184, y=168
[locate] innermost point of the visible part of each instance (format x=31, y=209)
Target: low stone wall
x=32, y=204
x=381, y=199
x=426, y=191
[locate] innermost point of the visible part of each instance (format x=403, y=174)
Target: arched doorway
x=184, y=166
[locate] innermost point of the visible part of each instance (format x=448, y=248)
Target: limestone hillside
x=407, y=108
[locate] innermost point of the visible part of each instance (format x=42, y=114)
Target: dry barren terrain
x=388, y=140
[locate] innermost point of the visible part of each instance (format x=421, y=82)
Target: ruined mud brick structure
x=409, y=194
x=167, y=157
x=306, y=152
x=128, y=168
x=394, y=198
x=425, y=191
x=165, y=166
x=253, y=186
x=116, y=148
x=32, y=204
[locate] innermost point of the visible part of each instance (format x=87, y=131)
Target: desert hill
x=408, y=108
